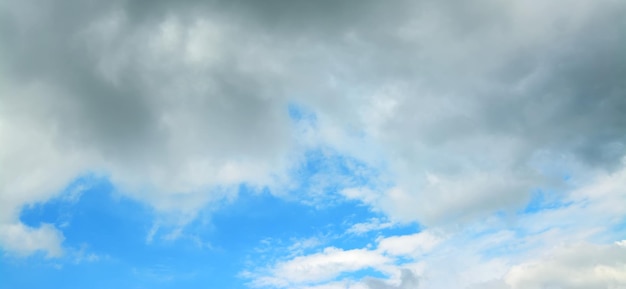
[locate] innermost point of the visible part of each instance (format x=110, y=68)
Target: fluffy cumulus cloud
x=462, y=114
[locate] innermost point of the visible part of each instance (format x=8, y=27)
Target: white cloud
x=320, y=267
x=410, y=245
x=579, y=266
x=35, y=167
x=24, y=240
x=373, y=224
x=458, y=264
x=590, y=211
x=572, y=245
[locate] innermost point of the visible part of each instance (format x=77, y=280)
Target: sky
x=300, y=144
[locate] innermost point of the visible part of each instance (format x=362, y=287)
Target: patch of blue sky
x=320, y=180
x=255, y=217
x=566, y=177
x=113, y=229
x=361, y=274
x=615, y=232
x=300, y=114
x=105, y=246
x=273, y=226
x=57, y=210
x=402, y=260
x=324, y=173
x=368, y=238
x=401, y=229
x=33, y=273
x=542, y=199
x=620, y=230
x=98, y=218
x=621, y=226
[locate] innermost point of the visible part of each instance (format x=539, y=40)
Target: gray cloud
x=593, y=266
x=408, y=280
x=470, y=104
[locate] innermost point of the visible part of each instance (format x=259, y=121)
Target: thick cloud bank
x=464, y=108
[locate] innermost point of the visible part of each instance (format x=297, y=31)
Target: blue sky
x=106, y=237
x=313, y=144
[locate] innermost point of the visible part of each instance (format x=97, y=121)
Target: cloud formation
x=571, y=244
x=23, y=240
x=319, y=267
x=463, y=109
x=582, y=266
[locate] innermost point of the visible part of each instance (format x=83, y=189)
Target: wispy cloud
x=373, y=224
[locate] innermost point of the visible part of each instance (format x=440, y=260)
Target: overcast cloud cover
x=458, y=144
